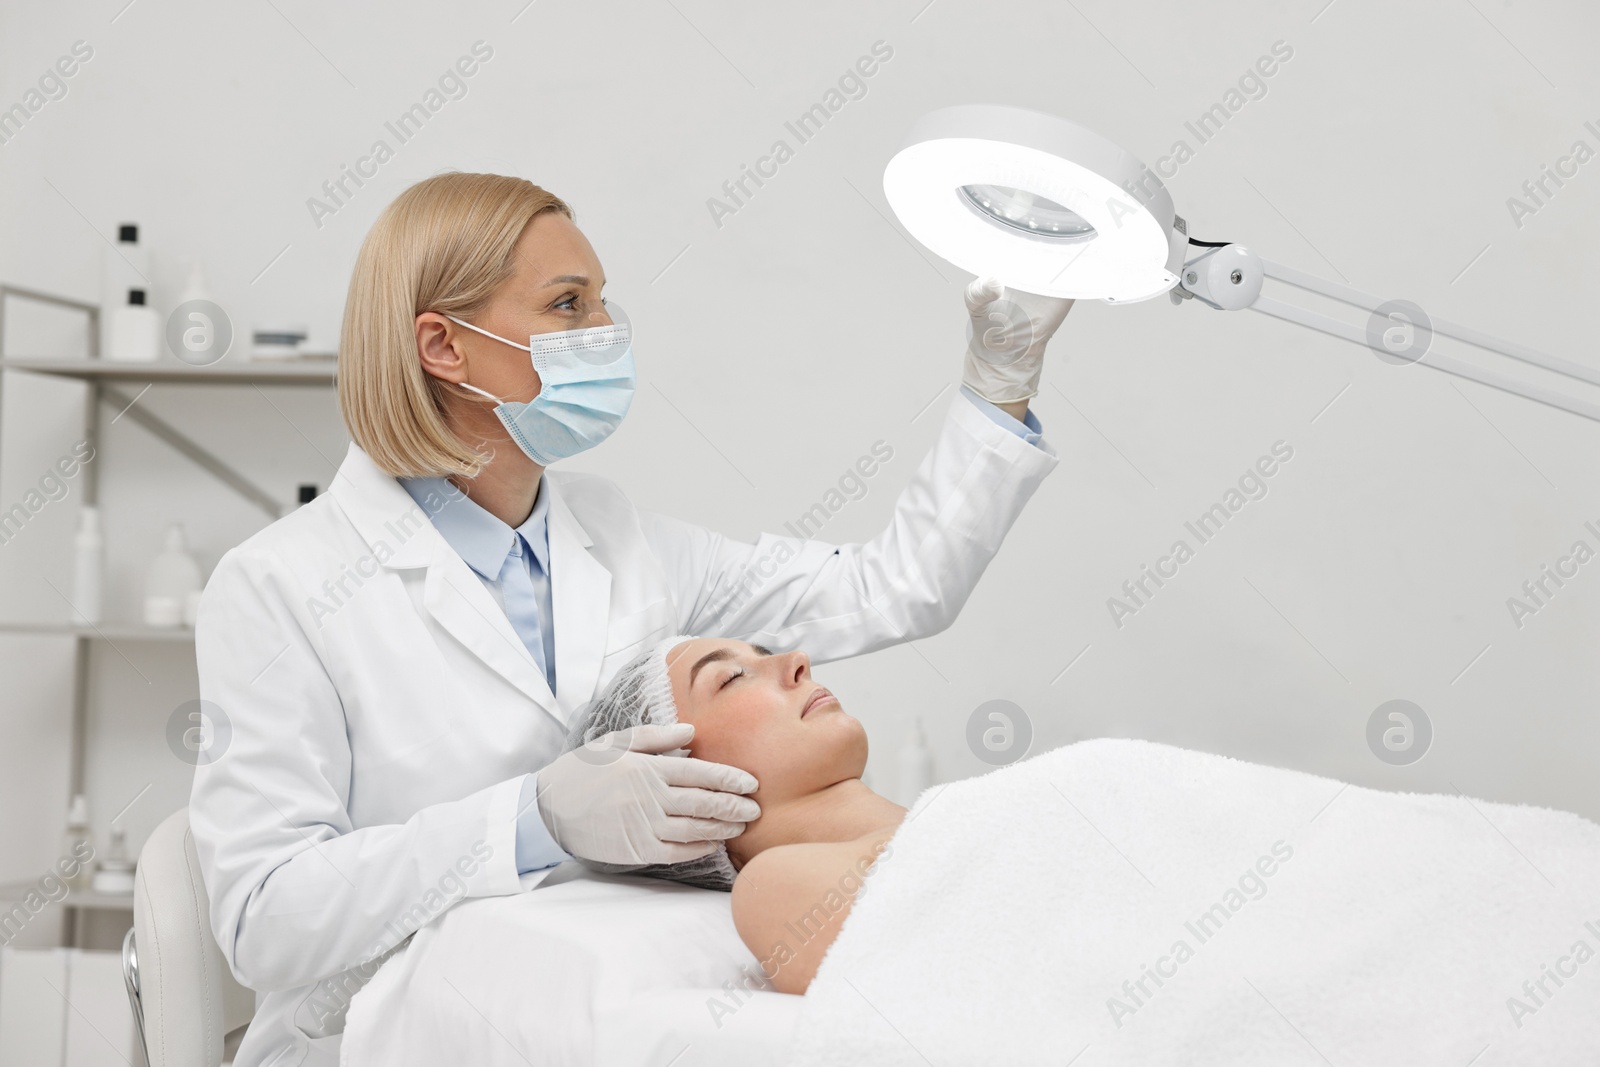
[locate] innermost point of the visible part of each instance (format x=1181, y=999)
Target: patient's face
x=764, y=714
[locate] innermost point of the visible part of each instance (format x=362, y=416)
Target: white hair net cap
x=641, y=695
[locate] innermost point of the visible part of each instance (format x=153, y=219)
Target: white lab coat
x=381, y=714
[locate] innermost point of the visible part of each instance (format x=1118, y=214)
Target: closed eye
x=736, y=674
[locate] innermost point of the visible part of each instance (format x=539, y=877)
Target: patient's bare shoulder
x=790, y=901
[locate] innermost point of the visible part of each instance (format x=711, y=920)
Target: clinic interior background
x=779, y=341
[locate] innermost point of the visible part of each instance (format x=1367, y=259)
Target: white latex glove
x=618, y=800
x=1006, y=339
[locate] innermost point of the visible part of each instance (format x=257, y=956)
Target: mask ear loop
x=481, y=392
x=486, y=333
x=497, y=337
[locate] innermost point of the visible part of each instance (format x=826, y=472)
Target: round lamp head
x=1042, y=204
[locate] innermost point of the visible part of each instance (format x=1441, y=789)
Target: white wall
x=807, y=326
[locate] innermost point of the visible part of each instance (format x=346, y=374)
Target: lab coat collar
x=477, y=535
x=401, y=536
x=396, y=528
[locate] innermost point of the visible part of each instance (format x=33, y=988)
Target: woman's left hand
x=1006, y=340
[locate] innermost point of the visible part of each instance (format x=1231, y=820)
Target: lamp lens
x=1025, y=212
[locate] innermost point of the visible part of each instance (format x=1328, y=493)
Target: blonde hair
x=446, y=244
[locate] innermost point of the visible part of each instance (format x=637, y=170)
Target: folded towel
x=1122, y=902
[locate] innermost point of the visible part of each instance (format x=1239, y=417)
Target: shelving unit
x=78, y=898
x=223, y=373
x=109, y=631
x=102, y=378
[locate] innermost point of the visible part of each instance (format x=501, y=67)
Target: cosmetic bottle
x=113, y=875
x=88, y=556
x=173, y=578
x=196, y=287
x=125, y=265
x=135, y=331
x=77, y=851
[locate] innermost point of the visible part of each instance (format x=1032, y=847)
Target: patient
x=1391, y=891
x=795, y=871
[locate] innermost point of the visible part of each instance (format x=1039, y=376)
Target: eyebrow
x=563, y=279
x=721, y=654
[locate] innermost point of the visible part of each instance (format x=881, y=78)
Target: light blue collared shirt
x=484, y=542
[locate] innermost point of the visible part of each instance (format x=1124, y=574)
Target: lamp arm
x=1228, y=277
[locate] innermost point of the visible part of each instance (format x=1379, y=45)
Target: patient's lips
x=819, y=695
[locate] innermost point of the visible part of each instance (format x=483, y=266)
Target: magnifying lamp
x=1049, y=207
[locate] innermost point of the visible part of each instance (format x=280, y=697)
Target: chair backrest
x=187, y=998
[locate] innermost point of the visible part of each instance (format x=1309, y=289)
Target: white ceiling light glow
x=1038, y=202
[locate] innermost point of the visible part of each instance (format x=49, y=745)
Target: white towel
x=1393, y=928
x=585, y=969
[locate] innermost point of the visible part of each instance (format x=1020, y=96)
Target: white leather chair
x=184, y=997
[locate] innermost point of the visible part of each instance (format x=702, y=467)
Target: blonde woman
x=392, y=669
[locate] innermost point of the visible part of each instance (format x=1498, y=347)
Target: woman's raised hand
x=1006, y=339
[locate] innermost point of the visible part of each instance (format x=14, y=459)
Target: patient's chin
x=838, y=726
x=850, y=747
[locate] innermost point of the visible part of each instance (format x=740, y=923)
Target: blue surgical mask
x=587, y=386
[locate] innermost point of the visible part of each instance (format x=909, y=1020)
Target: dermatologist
x=393, y=668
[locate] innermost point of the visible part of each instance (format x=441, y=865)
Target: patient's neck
x=843, y=811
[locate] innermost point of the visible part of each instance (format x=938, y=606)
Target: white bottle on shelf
x=135, y=332
x=126, y=266
x=196, y=287
x=173, y=576
x=113, y=875
x=76, y=845
x=88, y=554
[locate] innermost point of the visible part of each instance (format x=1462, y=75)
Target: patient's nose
x=798, y=667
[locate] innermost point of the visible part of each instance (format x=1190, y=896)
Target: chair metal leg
x=130, y=979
